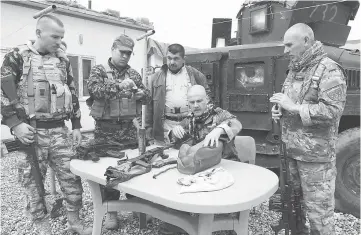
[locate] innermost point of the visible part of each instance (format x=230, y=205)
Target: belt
x=175, y=118
x=114, y=124
x=176, y=110
x=50, y=124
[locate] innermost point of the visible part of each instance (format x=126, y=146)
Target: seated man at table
x=209, y=123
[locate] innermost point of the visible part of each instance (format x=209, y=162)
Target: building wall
x=18, y=26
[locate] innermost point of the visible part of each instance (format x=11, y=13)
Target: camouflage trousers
x=316, y=183
x=54, y=148
x=125, y=131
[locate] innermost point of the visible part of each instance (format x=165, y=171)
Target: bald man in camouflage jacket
x=311, y=104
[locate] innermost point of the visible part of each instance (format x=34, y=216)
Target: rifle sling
x=31, y=98
x=35, y=169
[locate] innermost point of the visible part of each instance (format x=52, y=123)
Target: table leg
x=205, y=224
x=142, y=221
x=99, y=209
x=241, y=228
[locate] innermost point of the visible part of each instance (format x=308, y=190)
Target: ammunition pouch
x=52, y=101
x=42, y=96
x=120, y=108
x=194, y=159
x=97, y=108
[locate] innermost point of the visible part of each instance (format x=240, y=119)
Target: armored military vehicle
x=248, y=69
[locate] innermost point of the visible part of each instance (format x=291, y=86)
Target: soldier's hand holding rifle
x=285, y=102
x=24, y=132
x=276, y=112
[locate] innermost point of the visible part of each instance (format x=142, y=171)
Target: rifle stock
x=289, y=205
x=35, y=170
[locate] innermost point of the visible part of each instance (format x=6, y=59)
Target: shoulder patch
x=336, y=93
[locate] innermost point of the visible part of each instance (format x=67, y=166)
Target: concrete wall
x=18, y=26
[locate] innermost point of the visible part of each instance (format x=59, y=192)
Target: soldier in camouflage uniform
x=118, y=93
x=311, y=104
x=38, y=63
x=209, y=123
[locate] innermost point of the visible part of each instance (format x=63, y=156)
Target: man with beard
x=45, y=93
x=311, y=104
x=118, y=93
x=169, y=88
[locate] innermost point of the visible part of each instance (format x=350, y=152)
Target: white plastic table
x=160, y=197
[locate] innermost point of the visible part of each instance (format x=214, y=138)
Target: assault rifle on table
x=93, y=151
x=121, y=172
x=288, y=201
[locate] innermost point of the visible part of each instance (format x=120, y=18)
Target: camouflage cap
x=124, y=43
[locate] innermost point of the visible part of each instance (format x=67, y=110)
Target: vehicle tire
x=348, y=172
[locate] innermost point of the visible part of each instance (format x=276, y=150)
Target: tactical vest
x=43, y=91
x=115, y=109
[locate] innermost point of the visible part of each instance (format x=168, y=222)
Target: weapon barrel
x=47, y=10
x=141, y=140
x=149, y=33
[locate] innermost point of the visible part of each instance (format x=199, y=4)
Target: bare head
x=175, y=57
x=197, y=99
x=49, y=34
x=297, y=40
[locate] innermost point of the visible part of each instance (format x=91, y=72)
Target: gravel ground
x=14, y=222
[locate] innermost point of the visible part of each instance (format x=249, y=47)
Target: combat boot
x=43, y=226
x=75, y=225
x=111, y=221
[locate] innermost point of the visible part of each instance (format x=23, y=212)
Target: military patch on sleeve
x=336, y=93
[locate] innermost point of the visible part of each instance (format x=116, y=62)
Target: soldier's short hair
x=176, y=48
x=51, y=17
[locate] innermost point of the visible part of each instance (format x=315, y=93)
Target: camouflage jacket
x=101, y=87
x=321, y=91
x=215, y=117
x=13, y=64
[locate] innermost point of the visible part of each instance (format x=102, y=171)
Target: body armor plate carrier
x=114, y=109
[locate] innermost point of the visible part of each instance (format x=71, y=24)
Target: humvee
x=245, y=72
